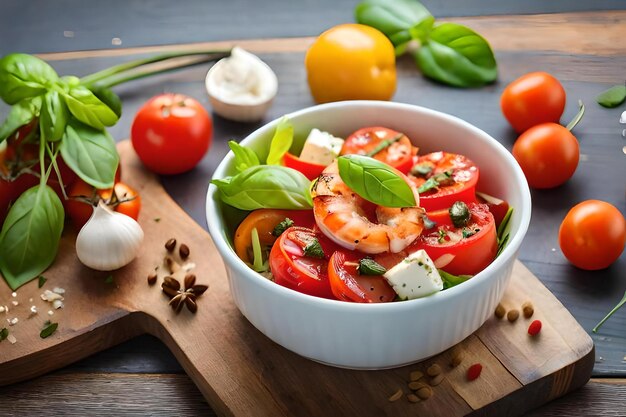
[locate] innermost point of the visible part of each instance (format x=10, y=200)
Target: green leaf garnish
x=422, y=169
x=244, y=157
x=375, y=181
x=281, y=142
x=384, y=145
x=313, y=249
x=48, y=330
x=282, y=226
x=257, y=253
x=501, y=232
x=612, y=97
x=450, y=280
x=368, y=266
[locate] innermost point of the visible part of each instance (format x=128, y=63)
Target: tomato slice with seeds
x=348, y=285
x=293, y=269
x=399, y=154
x=453, y=178
x=464, y=251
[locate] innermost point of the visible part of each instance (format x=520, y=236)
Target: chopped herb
x=444, y=177
x=385, y=144
x=42, y=280
x=368, y=266
x=4, y=333
x=450, y=280
x=314, y=249
x=422, y=169
x=430, y=184
x=428, y=223
x=157, y=219
x=442, y=236
x=282, y=226
x=459, y=214
x=48, y=330
x=468, y=233
x=435, y=181
x=109, y=280
x=257, y=259
x=612, y=97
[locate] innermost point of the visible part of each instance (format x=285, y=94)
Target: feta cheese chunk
x=321, y=148
x=416, y=276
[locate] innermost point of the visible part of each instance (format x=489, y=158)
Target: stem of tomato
x=578, y=117
x=106, y=73
x=617, y=307
x=55, y=166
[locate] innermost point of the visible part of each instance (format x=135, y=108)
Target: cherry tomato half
x=265, y=220
x=592, y=235
x=399, y=154
x=82, y=197
x=548, y=154
x=497, y=207
x=348, y=285
x=291, y=268
x=309, y=169
x=455, y=176
x=470, y=248
x=532, y=99
x=171, y=133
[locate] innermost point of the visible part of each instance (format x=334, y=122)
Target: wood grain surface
x=586, y=66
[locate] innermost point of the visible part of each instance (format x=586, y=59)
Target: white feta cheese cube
x=416, y=276
x=321, y=148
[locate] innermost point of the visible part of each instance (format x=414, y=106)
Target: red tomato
x=347, y=285
x=497, y=207
x=171, y=133
x=460, y=186
x=532, y=99
x=5, y=199
x=592, y=235
x=470, y=254
x=399, y=154
x=292, y=269
x=548, y=155
x=309, y=169
x=83, y=197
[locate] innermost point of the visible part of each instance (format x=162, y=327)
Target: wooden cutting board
x=241, y=372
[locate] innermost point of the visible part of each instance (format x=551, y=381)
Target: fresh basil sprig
x=266, y=186
x=281, y=142
x=30, y=235
x=448, y=52
x=450, y=280
x=375, y=181
x=612, y=97
x=244, y=157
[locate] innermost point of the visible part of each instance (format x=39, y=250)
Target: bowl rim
x=230, y=257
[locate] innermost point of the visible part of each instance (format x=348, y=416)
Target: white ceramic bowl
x=376, y=336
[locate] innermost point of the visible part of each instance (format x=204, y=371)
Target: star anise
x=185, y=295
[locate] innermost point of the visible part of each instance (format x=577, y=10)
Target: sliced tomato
x=496, y=206
x=293, y=269
x=365, y=141
x=455, y=177
x=348, y=285
x=309, y=169
x=265, y=220
x=454, y=253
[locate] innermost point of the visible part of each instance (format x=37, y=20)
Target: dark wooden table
x=584, y=49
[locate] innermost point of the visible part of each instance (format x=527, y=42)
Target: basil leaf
x=30, y=236
x=281, y=142
x=458, y=56
x=450, y=280
x=459, y=214
x=282, y=226
x=90, y=153
x=244, y=157
x=87, y=108
x=394, y=18
x=266, y=186
x=109, y=98
x=313, y=249
x=612, y=97
x=20, y=115
x=375, y=181
x=368, y=266
x=53, y=118
x=48, y=330
x=24, y=76
x=68, y=82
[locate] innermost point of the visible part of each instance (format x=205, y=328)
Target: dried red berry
x=534, y=328
x=474, y=371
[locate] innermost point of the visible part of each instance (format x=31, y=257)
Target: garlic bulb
x=109, y=240
x=241, y=87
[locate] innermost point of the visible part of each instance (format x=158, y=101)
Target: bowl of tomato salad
x=367, y=234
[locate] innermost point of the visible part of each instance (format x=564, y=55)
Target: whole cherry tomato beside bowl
x=368, y=335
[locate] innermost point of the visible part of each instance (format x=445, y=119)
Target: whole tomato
x=548, y=154
x=532, y=99
x=351, y=62
x=592, y=235
x=171, y=133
